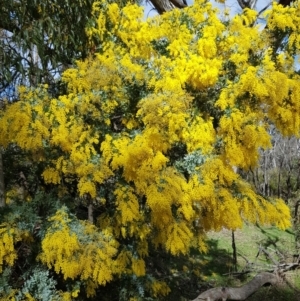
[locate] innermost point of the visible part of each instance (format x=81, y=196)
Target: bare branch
x=269, y=256
x=2, y=186
x=285, y=2
x=247, y=3
x=163, y=6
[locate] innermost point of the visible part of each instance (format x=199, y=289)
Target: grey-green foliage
x=4, y=279
x=135, y=288
x=40, y=285
x=190, y=161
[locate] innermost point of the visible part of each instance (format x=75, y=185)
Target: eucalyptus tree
x=41, y=38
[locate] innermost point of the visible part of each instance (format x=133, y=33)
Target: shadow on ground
x=205, y=271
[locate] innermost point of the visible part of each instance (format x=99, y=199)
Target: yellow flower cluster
x=138, y=267
x=199, y=134
x=51, y=175
x=284, y=18
x=9, y=236
x=179, y=237
x=159, y=288
x=18, y=124
x=79, y=250
x=127, y=205
x=243, y=136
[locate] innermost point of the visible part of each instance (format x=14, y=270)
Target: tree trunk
x=289, y=185
x=2, y=186
x=234, y=256
x=91, y=213
x=285, y=2
x=247, y=4
x=240, y=293
x=265, y=174
x=163, y=6
x=296, y=210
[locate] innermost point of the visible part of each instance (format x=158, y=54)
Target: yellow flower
x=138, y=267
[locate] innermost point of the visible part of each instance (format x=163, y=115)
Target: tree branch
x=2, y=186
x=163, y=6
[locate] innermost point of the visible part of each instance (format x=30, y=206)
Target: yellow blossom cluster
x=138, y=267
x=9, y=236
x=159, y=288
x=242, y=137
x=127, y=205
x=284, y=18
x=79, y=250
x=179, y=237
x=23, y=123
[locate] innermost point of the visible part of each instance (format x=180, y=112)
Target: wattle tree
x=139, y=156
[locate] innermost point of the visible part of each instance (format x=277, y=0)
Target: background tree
x=278, y=173
x=148, y=133
x=40, y=39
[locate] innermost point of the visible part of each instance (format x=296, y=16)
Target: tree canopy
x=147, y=136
